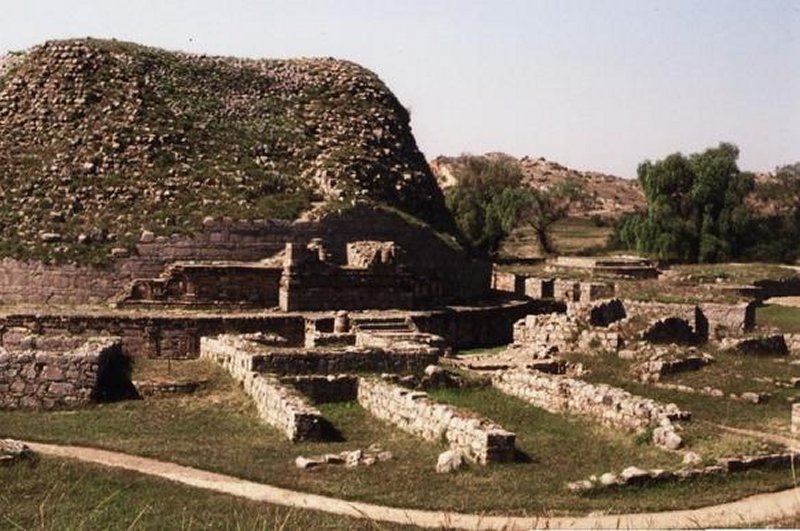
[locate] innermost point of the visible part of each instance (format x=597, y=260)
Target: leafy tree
x=541, y=209
x=696, y=209
x=486, y=201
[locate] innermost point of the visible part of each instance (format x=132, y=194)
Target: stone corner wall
x=279, y=405
x=412, y=411
x=32, y=379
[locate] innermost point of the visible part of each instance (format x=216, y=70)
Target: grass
x=571, y=236
x=216, y=429
x=59, y=494
x=784, y=318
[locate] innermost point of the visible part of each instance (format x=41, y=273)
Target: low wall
x=33, y=379
x=481, y=326
x=268, y=359
x=325, y=389
x=154, y=335
x=412, y=411
x=279, y=405
x=612, y=406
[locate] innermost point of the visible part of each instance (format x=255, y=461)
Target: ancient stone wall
x=236, y=240
x=208, y=285
x=157, y=336
x=546, y=332
x=611, y=406
x=321, y=360
x=480, y=326
x=33, y=379
x=323, y=389
x=278, y=404
x=412, y=411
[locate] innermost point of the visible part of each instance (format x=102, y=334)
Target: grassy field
x=784, y=318
x=216, y=429
x=59, y=494
x=570, y=236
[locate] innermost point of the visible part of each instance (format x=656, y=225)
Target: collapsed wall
x=279, y=405
x=412, y=411
x=611, y=406
x=93, y=371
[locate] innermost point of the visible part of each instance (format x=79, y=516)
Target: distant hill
x=609, y=196
x=100, y=140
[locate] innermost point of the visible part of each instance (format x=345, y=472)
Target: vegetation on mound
x=100, y=140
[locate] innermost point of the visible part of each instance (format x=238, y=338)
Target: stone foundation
x=323, y=389
x=279, y=405
x=33, y=379
x=265, y=358
x=412, y=411
x=612, y=406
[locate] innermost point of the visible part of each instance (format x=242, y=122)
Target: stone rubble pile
x=348, y=458
x=636, y=476
x=13, y=452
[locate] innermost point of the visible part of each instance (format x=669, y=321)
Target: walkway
x=753, y=510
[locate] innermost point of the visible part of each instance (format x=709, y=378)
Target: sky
x=596, y=84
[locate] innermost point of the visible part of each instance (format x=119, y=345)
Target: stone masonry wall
x=240, y=240
x=611, y=406
x=33, y=379
x=321, y=360
x=279, y=405
x=412, y=411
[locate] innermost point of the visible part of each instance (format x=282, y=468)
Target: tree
x=541, y=209
x=696, y=209
x=486, y=201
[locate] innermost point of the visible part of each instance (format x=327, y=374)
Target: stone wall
x=310, y=282
x=208, y=285
x=155, y=335
x=278, y=404
x=611, y=406
x=427, y=253
x=480, y=326
x=323, y=389
x=412, y=411
x=32, y=379
x=546, y=332
x=269, y=359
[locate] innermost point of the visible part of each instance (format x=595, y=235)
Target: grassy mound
x=100, y=140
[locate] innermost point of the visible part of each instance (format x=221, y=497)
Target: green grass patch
x=60, y=494
x=217, y=429
x=784, y=318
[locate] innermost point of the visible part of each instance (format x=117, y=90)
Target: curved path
x=753, y=510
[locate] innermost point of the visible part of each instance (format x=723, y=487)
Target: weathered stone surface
x=774, y=345
x=12, y=452
x=610, y=405
x=476, y=438
x=35, y=379
x=448, y=461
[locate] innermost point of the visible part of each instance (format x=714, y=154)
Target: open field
x=570, y=236
x=57, y=494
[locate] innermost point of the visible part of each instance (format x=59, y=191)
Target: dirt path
x=793, y=302
x=753, y=510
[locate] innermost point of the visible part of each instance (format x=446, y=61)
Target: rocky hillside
x=100, y=140
x=609, y=196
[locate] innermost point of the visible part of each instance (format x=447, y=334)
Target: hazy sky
x=595, y=84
